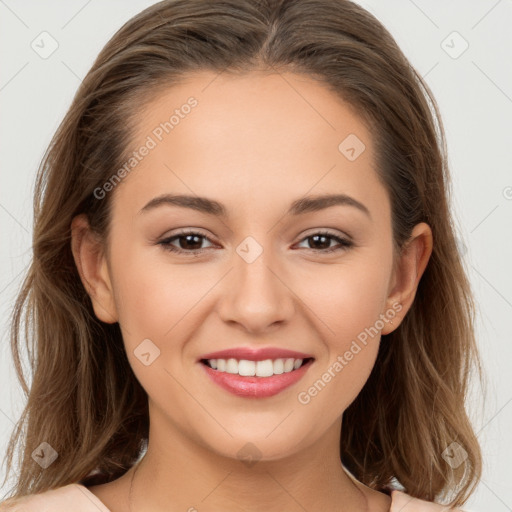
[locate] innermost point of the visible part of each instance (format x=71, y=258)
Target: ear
x=407, y=273
x=89, y=255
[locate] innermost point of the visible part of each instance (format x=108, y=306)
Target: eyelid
x=165, y=241
x=344, y=241
x=308, y=233
x=187, y=231
x=326, y=231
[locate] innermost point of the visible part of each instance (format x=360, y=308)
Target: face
x=257, y=270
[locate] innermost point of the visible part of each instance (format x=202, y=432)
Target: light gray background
x=473, y=90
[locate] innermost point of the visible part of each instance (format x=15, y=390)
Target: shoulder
x=401, y=502
x=74, y=497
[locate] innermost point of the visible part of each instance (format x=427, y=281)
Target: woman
x=315, y=353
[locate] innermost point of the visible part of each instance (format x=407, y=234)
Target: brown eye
x=188, y=242
x=321, y=242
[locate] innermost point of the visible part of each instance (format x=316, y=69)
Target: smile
x=255, y=379
x=246, y=368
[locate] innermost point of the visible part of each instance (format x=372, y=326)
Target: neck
x=182, y=473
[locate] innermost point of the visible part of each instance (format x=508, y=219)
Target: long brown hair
x=84, y=399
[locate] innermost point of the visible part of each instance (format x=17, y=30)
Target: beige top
x=77, y=498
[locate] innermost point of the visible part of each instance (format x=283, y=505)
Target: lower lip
x=256, y=387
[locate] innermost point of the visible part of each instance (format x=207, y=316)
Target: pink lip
x=255, y=387
x=260, y=354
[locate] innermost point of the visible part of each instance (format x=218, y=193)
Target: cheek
x=346, y=298
x=151, y=296
x=144, y=303
x=347, y=303
x=352, y=344
x=162, y=303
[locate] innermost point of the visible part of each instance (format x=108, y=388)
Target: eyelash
x=166, y=243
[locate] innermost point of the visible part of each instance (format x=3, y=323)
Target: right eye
x=191, y=239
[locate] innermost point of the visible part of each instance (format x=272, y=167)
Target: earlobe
x=409, y=269
x=91, y=263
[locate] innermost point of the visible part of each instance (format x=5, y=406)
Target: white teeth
x=264, y=368
x=247, y=368
x=288, y=365
x=232, y=366
x=278, y=366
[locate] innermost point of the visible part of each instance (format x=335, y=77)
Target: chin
x=257, y=446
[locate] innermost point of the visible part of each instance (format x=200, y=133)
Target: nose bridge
x=256, y=296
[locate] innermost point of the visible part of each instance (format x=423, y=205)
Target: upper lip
x=256, y=354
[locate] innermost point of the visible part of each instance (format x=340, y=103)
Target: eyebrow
x=298, y=207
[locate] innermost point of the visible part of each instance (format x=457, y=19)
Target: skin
x=255, y=143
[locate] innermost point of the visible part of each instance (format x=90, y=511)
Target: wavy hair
x=84, y=399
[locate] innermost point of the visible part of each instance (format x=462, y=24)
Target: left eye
x=191, y=240
x=317, y=238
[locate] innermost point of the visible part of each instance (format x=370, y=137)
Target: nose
x=256, y=295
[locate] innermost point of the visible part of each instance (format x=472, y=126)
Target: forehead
x=286, y=111
x=255, y=135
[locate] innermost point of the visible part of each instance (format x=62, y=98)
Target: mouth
x=261, y=369
x=256, y=379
